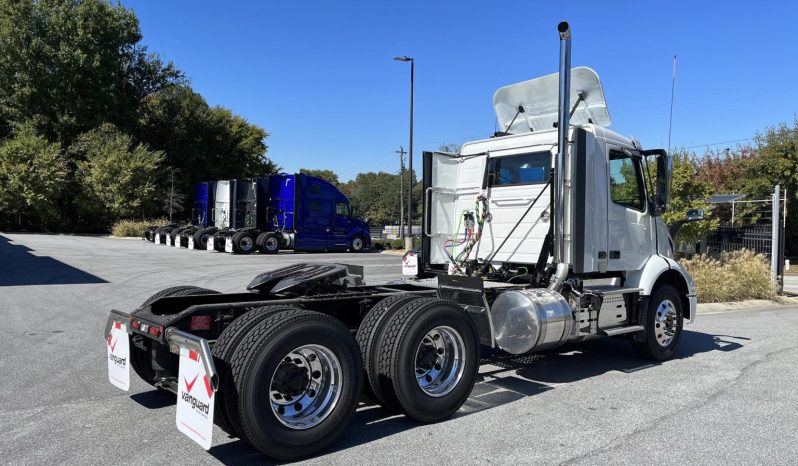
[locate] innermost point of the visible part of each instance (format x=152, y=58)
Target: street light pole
x=409, y=236
x=401, y=153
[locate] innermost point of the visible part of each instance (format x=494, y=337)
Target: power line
x=718, y=143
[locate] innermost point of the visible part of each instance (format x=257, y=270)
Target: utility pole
x=401, y=153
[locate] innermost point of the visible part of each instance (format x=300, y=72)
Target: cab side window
x=520, y=169
x=342, y=209
x=626, y=181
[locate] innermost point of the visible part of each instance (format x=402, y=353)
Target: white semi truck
x=547, y=233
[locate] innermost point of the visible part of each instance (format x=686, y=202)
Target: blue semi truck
x=267, y=214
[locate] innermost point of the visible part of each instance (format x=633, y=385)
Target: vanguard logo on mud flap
x=117, y=360
x=195, y=403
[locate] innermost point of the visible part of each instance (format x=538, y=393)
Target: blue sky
x=320, y=76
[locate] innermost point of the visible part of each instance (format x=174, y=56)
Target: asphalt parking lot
x=730, y=397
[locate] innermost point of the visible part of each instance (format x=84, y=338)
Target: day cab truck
x=549, y=232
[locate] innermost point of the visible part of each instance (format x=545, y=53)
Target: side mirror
x=693, y=215
x=661, y=197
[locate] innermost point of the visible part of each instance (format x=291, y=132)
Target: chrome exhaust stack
x=563, y=123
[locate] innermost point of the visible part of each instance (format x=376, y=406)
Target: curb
x=736, y=306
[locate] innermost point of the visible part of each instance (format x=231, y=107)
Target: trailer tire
x=226, y=403
x=244, y=242
x=368, y=335
x=306, y=359
x=270, y=243
x=436, y=339
x=664, y=314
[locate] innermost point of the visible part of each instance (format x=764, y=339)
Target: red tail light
x=155, y=330
x=200, y=322
x=136, y=324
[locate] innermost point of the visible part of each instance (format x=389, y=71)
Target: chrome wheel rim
x=665, y=322
x=305, y=387
x=271, y=243
x=440, y=361
x=357, y=244
x=245, y=244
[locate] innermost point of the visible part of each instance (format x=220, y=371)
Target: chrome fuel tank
x=530, y=320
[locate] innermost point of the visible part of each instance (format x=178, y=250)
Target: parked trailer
x=537, y=237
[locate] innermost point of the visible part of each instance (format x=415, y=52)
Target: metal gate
x=756, y=225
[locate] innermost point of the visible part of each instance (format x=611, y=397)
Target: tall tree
x=72, y=65
x=326, y=175
x=204, y=143
x=777, y=163
x=117, y=176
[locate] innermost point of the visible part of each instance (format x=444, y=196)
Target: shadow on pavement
x=19, y=267
x=517, y=377
x=154, y=399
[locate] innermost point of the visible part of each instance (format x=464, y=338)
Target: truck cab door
x=341, y=225
x=628, y=221
x=315, y=224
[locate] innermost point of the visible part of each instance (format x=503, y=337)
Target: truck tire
x=357, y=244
x=368, y=335
x=179, y=290
x=140, y=359
x=174, y=236
x=220, y=239
x=429, y=353
x=244, y=242
x=201, y=237
x=157, y=232
x=270, y=243
x=226, y=411
x=298, y=376
x=140, y=352
x=662, y=325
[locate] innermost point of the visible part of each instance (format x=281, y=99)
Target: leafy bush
x=134, y=228
x=33, y=174
x=733, y=276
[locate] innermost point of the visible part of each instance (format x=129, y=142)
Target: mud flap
x=195, y=399
x=118, y=356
